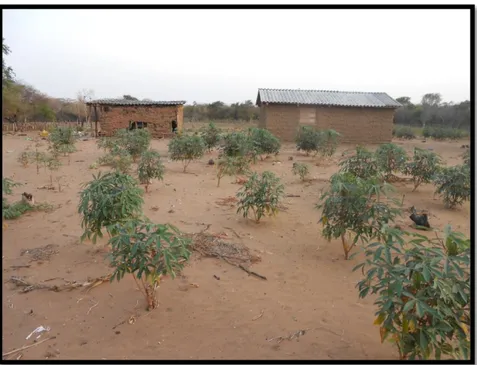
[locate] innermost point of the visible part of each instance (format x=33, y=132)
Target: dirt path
x=309, y=287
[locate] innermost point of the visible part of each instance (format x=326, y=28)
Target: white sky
x=209, y=55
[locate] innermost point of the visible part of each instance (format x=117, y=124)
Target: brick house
x=157, y=116
x=361, y=118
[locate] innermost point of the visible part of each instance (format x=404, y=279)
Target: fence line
x=37, y=126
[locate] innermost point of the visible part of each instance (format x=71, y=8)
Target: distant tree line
x=218, y=110
x=433, y=112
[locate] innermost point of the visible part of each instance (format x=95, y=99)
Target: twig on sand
x=292, y=196
x=252, y=273
x=91, y=308
x=28, y=346
x=259, y=316
x=233, y=231
x=290, y=337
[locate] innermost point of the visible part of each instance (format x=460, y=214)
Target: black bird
x=419, y=219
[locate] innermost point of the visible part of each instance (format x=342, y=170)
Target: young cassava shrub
x=466, y=157
x=353, y=205
x=390, y=158
x=62, y=136
x=423, y=167
x=328, y=142
x=231, y=166
x=108, y=199
x=422, y=289
x=211, y=136
x=24, y=158
x=119, y=159
x=52, y=164
x=136, y=141
x=147, y=251
x=308, y=140
x=237, y=144
x=150, y=167
x=362, y=164
x=300, y=169
x=263, y=142
x=186, y=148
x=403, y=132
x=453, y=184
x=261, y=194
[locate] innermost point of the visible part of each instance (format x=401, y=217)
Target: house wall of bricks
x=158, y=118
x=356, y=125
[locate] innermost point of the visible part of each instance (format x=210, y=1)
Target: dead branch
x=259, y=316
x=28, y=346
x=292, y=196
x=252, y=273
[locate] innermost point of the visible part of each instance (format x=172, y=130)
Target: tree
x=405, y=101
x=423, y=293
x=7, y=71
x=106, y=200
x=82, y=97
x=261, y=194
x=432, y=99
x=147, y=251
x=129, y=97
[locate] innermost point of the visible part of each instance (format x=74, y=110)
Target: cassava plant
x=466, y=157
x=136, y=142
x=231, y=166
x=150, y=167
x=423, y=167
x=356, y=207
x=211, y=136
x=301, y=169
x=106, y=200
x=119, y=159
x=422, y=289
x=362, y=164
x=24, y=158
x=237, y=144
x=390, y=158
x=52, y=164
x=147, y=251
x=453, y=184
x=261, y=194
x=328, y=142
x=186, y=148
x=308, y=140
x=263, y=142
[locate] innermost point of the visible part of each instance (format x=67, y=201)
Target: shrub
x=7, y=186
x=443, y=133
x=328, y=142
x=423, y=293
x=133, y=142
x=453, y=184
x=261, y=194
x=263, y=142
x=106, y=200
x=308, y=140
x=62, y=136
x=404, y=132
x=363, y=164
x=150, y=167
x=231, y=166
x=300, y=169
x=119, y=159
x=211, y=136
x=423, y=167
x=51, y=163
x=466, y=157
x=237, y=144
x=353, y=205
x=147, y=251
x=186, y=148
x=390, y=158
x=24, y=158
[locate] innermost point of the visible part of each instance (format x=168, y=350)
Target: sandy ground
x=310, y=286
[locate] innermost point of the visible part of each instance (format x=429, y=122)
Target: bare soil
x=308, y=308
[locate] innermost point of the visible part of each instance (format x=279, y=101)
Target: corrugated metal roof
x=126, y=102
x=326, y=98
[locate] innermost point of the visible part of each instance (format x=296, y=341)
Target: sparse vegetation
x=328, y=142
x=308, y=140
x=147, y=251
x=442, y=133
x=423, y=293
x=231, y=166
x=453, y=184
x=211, y=136
x=237, y=144
x=362, y=164
x=300, y=169
x=186, y=148
x=390, y=158
x=423, y=167
x=403, y=132
x=106, y=200
x=261, y=194
x=150, y=167
x=263, y=142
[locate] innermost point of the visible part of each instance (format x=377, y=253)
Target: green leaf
x=409, y=305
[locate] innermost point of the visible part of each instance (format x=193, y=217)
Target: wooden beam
x=95, y=121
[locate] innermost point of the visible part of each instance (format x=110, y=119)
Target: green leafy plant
x=186, y=148
x=261, y=194
x=237, y=144
x=423, y=167
x=354, y=206
x=7, y=186
x=466, y=157
x=441, y=133
x=453, y=184
x=362, y=164
x=119, y=159
x=231, y=166
x=263, y=142
x=24, y=158
x=390, y=158
x=423, y=293
x=51, y=163
x=62, y=136
x=328, y=142
x=134, y=143
x=211, y=136
x=150, y=167
x=403, y=132
x=308, y=140
x=147, y=251
x=106, y=200
x=300, y=169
